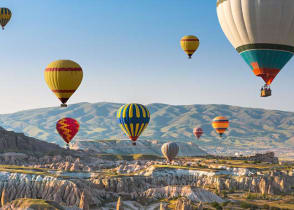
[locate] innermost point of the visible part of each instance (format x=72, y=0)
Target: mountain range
x=249, y=127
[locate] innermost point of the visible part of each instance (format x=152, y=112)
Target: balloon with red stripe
x=63, y=77
x=190, y=44
x=67, y=129
x=198, y=132
x=220, y=124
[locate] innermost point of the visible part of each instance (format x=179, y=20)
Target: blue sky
x=130, y=52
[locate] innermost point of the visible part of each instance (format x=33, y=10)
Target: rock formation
x=119, y=205
x=184, y=204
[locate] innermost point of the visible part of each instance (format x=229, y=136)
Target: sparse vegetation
x=216, y=205
x=25, y=203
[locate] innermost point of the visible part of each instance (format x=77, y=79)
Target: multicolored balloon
x=197, y=132
x=170, y=150
x=63, y=77
x=261, y=31
x=67, y=129
x=5, y=15
x=133, y=119
x=220, y=124
x=190, y=44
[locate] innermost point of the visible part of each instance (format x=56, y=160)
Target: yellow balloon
x=190, y=44
x=63, y=77
x=5, y=15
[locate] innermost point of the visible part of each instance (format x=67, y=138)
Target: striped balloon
x=220, y=124
x=190, y=44
x=261, y=31
x=133, y=120
x=197, y=132
x=67, y=128
x=170, y=150
x=5, y=15
x=63, y=77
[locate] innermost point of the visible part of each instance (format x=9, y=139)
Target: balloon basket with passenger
x=265, y=91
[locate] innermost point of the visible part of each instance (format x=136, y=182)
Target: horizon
x=69, y=105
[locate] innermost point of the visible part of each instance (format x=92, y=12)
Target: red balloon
x=198, y=132
x=67, y=128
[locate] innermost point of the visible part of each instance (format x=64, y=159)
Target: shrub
x=266, y=206
x=248, y=206
x=225, y=203
x=216, y=205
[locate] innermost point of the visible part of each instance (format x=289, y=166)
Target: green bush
x=274, y=208
x=225, y=203
x=216, y=205
x=248, y=206
x=266, y=206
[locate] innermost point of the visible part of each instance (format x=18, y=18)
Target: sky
x=130, y=52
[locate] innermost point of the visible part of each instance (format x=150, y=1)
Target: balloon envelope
x=133, y=120
x=220, y=124
x=261, y=31
x=189, y=44
x=170, y=150
x=5, y=15
x=67, y=128
x=198, y=132
x=63, y=77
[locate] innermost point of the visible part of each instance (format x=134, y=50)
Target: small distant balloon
x=220, y=124
x=67, y=129
x=190, y=44
x=5, y=15
x=63, y=77
x=170, y=150
x=198, y=132
x=133, y=120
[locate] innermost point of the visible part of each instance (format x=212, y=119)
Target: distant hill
x=255, y=128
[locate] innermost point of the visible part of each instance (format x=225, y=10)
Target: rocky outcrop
x=100, y=188
x=35, y=204
x=148, y=147
x=184, y=204
x=119, y=205
x=193, y=194
x=18, y=142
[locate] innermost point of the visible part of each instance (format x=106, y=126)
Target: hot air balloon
x=67, y=129
x=170, y=150
x=262, y=33
x=220, y=124
x=133, y=119
x=63, y=77
x=5, y=15
x=197, y=132
x=190, y=44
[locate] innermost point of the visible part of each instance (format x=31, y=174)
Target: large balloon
x=190, y=44
x=133, y=119
x=170, y=150
x=220, y=124
x=5, y=15
x=197, y=132
x=63, y=77
x=261, y=31
x=67, y=129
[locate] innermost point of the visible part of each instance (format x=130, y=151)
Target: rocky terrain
x=147, y=147
x=250, y=129
x=33, y=177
